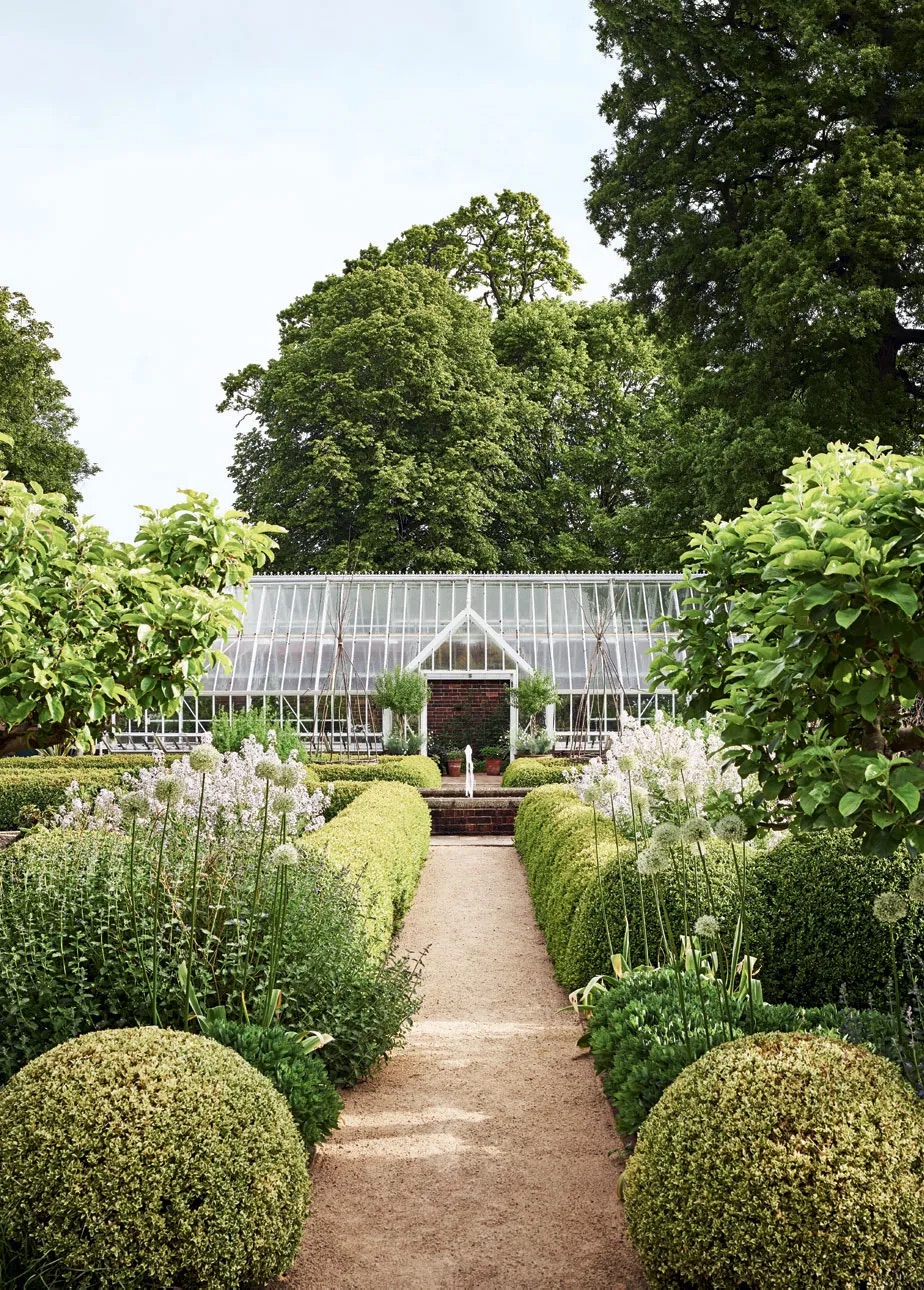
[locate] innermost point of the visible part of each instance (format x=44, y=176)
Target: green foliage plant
x=110, y=1169
x=229, y=732
x=292, y=1068
x=784, y=1161
x=32, y=765
x=531, y=696
x=340, y=793
x=93, y=933
x=800, y=625
x=92, y=629
x=635, y=1032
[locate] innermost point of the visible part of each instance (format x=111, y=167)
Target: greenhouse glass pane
x=558, y=621
x=442, y=658
x=275, y=666
x=285, y=600
x=492, y=605
x=365, y=595
x=376, y=658
x=477, y=654
x=495, y=659
x=305, y=606
x=509, y=616
x=252, y=613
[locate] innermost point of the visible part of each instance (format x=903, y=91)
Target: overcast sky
x=177, y=171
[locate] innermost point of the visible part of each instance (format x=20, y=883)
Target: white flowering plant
x=209, y=853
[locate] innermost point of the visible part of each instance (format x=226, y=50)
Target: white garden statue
x=469, y=772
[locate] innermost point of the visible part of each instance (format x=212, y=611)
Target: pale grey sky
x=177, y=171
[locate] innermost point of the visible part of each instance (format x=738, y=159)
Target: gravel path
x=481, y=1155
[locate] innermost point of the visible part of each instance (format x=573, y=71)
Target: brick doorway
x=468, y=711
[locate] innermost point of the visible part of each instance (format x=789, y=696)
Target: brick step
x=447, y=791
x=473, y=816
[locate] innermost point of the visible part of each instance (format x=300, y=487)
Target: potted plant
x=454, y=761
x=493, y=756
x=533, y=695
x=405, y=695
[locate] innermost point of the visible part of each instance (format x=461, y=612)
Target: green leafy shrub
x=530, y=772
x=554, y=834
x=341, y=793
x=230, y=731
x=422, y=772
x=149, y=1158
x=382, y=838
x=299, y=1074
x=71, y=950
x=636, y=1034
x=812, y=924
x=781, y=1161
x=45, y=789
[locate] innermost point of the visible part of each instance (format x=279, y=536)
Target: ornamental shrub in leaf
x=802, y=624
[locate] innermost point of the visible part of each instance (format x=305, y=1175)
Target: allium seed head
x=265, y=768
x=916, y=889
x=707, y=927
x=652, y=863
x=283, y=802
x=284, y=854
x=890, y=907
x=288, y=775
x=135, y=806
x=169, y=790
x=730, y=829
x=205, y=759
x=665, y=836
x=695, y=829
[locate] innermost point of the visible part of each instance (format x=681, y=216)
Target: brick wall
x=459, y=710
x=473, y=817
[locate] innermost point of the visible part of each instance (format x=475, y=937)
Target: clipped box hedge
x=422, y=772
x=554, y=834
x=530, y=772
x=341, y=793
x=108, y=761
x=46, y=788
x=383, y=838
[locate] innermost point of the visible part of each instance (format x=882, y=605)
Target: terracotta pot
x=454, y=766
x=492, y=765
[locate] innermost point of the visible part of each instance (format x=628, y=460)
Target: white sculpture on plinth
x=469, y=772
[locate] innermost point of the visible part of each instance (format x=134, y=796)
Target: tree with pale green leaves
x=92, y=629
x=802, y=625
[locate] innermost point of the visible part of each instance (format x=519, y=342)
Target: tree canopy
x=767, y=185
x=34, y=412
x=801, y=623
x=91, y=629
x=381, y=437
x=501, y=253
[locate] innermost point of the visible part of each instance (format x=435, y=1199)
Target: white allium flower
x=695, y=829
x=284, y=854
x=707, y=927
x=652, y=863
x=283, y=803
x=205, y=759
x=170, y=790
x=627, y=762
x=288, y=775
x=916, y=889
x=890, y=907
x=135, y=806
x=665, y=836
x=266, y=768
x=730, y=828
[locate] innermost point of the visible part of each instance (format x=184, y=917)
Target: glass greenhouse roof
x=314, y=634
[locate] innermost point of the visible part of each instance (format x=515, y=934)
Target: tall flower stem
x=606, y=917
x=255, y=899
x=158, y=886
x=641, y=886
x=133, y=909
x=626, y=940
x=194, y=911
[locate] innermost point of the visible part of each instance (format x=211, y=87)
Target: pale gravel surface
x=483, y=1154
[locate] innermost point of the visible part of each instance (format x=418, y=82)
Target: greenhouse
x=312, y=646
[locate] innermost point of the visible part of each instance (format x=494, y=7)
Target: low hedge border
x=531, y=772
x=554, y=834
x=421, y=772
x=383, y=838
x=341, y=793
x=107, y=761
x=46, y=789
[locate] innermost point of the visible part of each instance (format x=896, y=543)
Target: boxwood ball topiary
x=150, y=1158
x=778, y=1162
